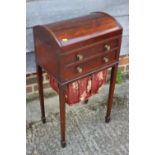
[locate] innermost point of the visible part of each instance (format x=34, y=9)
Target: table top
x=74, y=30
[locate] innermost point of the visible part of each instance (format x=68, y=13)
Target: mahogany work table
x=74, y=49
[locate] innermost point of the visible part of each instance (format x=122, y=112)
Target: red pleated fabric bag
x=82, y=89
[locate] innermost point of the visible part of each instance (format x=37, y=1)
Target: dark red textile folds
x=82, y=89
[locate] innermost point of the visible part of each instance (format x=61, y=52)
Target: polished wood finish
x=41, y=93
x=111, y=92
x=73, y=49
x=62, y=114
x=83, y=28
x=96, y=62
x=88, y=52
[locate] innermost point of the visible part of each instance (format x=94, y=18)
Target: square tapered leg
x=41, y=93
x=62, y=115
x=111, y=92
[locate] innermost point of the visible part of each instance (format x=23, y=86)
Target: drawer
x=88, y=52
x=75, y=70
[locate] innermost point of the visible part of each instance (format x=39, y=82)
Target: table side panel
x=47, y=52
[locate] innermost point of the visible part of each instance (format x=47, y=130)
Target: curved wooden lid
x=75, y=30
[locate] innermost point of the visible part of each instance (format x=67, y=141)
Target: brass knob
x=79, y=69
x=105, y=59
x=79, y=57
x=107, y=47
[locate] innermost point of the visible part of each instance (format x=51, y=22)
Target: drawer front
x=90, y=52
x=75, y=70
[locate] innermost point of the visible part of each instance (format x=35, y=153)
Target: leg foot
x=86, y=101
x=43, y=119
x=63, y=144
x=107, y=119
